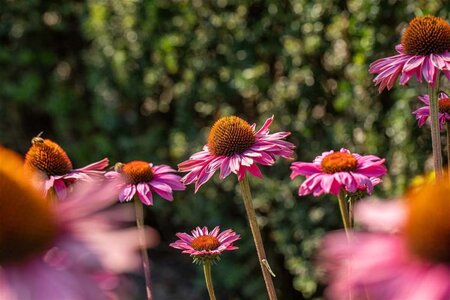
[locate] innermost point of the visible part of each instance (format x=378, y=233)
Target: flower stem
x=447, y=124
x=435, y=129
x=266, y=271
x=344, y=211
x=351, y=222
x=208, y=280
x=143, y=243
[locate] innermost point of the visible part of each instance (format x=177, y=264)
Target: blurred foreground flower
x=423, y=52
x=53, y=167
x=206, y=247
x=63, y=250
x=333, y=171
x=234, y=147
x=405, y=254
x=423, y=113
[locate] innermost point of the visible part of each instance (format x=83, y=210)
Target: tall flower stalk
x=447, y=126
x=139, y=209
x=435, y=128
x=208, y=280
x=346, y=215
x=265, y=267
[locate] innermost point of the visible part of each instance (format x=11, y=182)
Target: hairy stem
x=447, y=124
x=208, y=280
x=143, y=244
x=344, y=211
x=266, y=271
x=435, y=129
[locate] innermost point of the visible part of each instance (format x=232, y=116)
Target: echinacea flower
x=333, y=171
x=144, y=178
x=58, y=250
x=404, y=255
x=423, y=52
x=204, y=245
x=423, y=113
x=53, y=168
x=235, y=147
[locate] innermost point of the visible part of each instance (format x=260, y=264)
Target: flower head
x=423, y=113
x=51, y=163
x=404, y=255
x=144, y=178
x=234, y=146
x=204, y=245
x=423, y=52
x=58, y=250
x=333, y=171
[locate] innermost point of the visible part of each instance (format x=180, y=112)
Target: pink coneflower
x=423, y=52
x=143, y=178
x=206, y=245
x=235, y=147
x=333, y=171
x=55, y=169
x=423, y=113
x=405, y=254
x=58, y=250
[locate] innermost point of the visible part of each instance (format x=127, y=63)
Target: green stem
x=435, y=129
x=447, y=124
x=208, y=280
x=266, y=271
x=351, y=222
x=143, y=245
x=344, y=211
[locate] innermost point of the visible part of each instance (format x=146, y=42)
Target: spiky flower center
x=27, y=224
x=444, y=105
x=230, y=135
x=205, y=242
x=339, y=162
x=426, y=35
x=428, y=224
x=137, y=172
x=48, y=157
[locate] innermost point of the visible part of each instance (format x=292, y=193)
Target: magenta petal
x=99, y=165
x=305, y=169
x=144, y=193
x=60, y=188
x=127, y=193
x=225, y=169
x=162, y=189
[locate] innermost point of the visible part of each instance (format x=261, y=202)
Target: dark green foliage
x=144, y=80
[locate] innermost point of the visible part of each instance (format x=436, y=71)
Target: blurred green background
x=130, y=79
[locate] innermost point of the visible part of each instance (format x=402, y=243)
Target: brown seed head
x=339, y=162
x=230, y=135
x=48, y=157
x=426, y=35
x=137, y=172
x=205, y=242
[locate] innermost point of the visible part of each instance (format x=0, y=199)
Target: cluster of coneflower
x=70, y=248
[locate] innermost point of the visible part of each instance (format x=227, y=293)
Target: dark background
x=130, y=79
